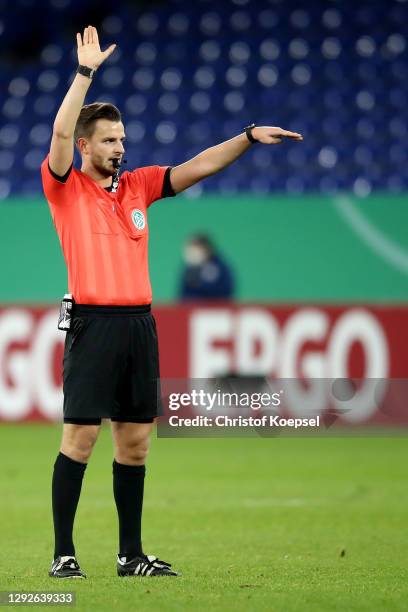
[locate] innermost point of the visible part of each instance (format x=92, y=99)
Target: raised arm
x=217, y=158
x=62, y=142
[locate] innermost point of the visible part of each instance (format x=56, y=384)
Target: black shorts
x=111, y=365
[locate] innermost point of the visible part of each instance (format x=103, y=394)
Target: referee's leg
x=131, y=444
x=69, y=468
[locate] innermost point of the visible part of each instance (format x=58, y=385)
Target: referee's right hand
x=89, y=51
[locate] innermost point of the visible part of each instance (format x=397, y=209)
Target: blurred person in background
x=206, y=275
x=111, y=364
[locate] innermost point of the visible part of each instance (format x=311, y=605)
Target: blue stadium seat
x=189, y=74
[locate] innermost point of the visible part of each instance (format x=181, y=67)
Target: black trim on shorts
x=83, y=421
x=99, y=421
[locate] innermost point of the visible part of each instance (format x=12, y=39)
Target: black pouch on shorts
x=77, y=326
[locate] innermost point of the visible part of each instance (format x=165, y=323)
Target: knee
x=133, y=453
x=79, y=447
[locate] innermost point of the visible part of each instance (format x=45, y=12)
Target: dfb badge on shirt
x=138, y=219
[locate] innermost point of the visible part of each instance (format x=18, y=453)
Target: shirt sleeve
x=155, y=182
x=58, y=190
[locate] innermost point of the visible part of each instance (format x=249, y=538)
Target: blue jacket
x=210, y=280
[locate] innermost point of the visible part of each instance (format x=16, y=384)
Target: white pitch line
x=392, y=253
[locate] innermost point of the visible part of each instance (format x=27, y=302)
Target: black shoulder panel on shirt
x=167, y=191
x=61, y=179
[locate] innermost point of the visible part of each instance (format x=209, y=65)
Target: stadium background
x=317, y=228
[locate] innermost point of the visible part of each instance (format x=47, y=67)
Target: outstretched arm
x=62, y=143
x=217, y=158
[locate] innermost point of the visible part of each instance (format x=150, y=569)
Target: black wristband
x=85, y=71
x=248, y=132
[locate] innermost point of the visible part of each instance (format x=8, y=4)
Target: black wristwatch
x=85, y=71
x=248, y=132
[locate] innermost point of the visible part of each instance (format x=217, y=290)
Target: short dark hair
x=204, y=241
x=89, y=115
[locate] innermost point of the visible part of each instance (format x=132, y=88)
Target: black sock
x=66, y=488
x=128, y=485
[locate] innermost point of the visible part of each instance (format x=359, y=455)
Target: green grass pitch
x=291, y=524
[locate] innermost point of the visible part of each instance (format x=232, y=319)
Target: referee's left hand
x=273, y=135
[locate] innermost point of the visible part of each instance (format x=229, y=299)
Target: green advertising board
x=283, y=249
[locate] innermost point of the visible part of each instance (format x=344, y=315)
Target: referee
x=111, y=363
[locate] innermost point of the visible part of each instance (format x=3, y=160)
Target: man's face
x=195, y=253
x=105, y=145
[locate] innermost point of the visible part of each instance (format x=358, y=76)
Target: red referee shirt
x=104, y=235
